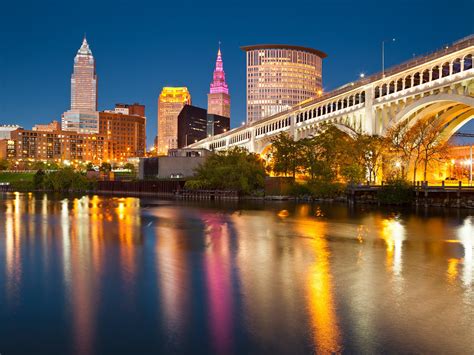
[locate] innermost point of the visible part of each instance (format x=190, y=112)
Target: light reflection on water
x=93, y=274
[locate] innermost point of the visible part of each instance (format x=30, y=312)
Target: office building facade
x=195, y=123
x=125, y=131
x=83, y=116
x=54, y=146
x=279, y=77
x=192, y=125
x=170, y=103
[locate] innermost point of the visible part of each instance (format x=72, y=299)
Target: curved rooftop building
x=279, y=77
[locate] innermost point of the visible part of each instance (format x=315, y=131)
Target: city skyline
x=133, y=65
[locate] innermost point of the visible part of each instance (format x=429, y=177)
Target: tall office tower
x=218, y=99
x=83, y=116
x=170, y=104
x=280, y=77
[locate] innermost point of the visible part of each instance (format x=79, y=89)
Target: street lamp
x=383, y=55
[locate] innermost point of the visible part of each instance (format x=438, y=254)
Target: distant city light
x=362, y=75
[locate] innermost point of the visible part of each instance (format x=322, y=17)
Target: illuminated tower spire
x=218, y=99
x=83, y=116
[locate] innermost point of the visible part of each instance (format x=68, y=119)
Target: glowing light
x=393, y=233
x=362, y=75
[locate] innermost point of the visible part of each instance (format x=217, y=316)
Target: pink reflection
x=218, y=283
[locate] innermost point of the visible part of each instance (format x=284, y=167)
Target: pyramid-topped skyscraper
x=218, y=99
x=83, y=116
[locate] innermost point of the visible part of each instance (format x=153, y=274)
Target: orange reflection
x=393, y=233
x=319, y=288
x=452, y=272
x=13, y=241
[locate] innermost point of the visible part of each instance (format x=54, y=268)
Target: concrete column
x=252, y=140
x=293, y=126
x=369, y=114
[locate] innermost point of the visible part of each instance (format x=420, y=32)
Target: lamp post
x=383, y=55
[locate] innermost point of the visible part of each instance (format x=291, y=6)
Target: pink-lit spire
x=218, y=84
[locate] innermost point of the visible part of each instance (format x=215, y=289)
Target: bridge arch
x=456, y=110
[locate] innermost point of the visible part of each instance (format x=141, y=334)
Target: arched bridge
x=440, y=84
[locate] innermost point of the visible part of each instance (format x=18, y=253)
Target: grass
x=16, y=177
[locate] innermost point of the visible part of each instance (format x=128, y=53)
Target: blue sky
x=141, y=46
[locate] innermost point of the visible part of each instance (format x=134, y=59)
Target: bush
x=300, y=190
x=38, y=180
x=22, y=185
x=325, y=189
x=235, y=169
x=196, y=185
x=4, y=164
x=67, y=180
x=396, y=192
x=318, y=189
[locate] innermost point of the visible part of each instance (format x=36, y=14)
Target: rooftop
x=284, y=46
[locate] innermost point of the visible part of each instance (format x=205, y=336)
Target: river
x=94, y=274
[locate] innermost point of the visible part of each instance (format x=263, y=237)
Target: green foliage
x=22, y=185
x=130, y=166
x=396, y=192
x=286, y=155
x=329, y=156
x=4, y=164
x=105, y=168
x=66, y=180
x=318, y=189
x=234, y=169
x=38, y=179
x=15, y=176
x=326, y=189
x=300, y=190
x=353, y=173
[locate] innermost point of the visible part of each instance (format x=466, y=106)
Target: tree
x=370, y=150
x=130, y=166
x=403, y=144
x=4, y=164
x=431, y=145
x=105, y=167
x=234, y=169
x=66, y=180
x=286, y=155
x=90, y=167
x=334, y=150
x=38, y=179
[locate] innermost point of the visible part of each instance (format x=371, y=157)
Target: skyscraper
x=218, y=99
x=170, y=104
x=279, y=77
x=83, y=116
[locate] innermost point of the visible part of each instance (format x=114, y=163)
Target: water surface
x=109, y=275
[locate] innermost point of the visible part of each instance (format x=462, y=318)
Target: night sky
x=141, y=46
